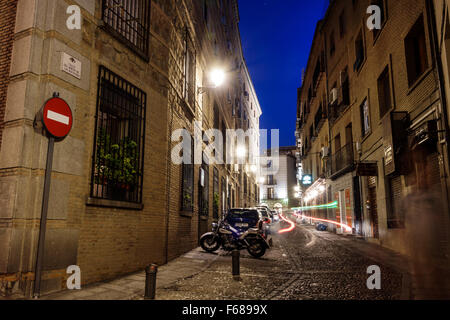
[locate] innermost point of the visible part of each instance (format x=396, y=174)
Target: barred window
x=118, y=157
x=129, y=20
x=204, y=191
x=224, y=193
x=216, y=195
x=187, y=186
x=189, y=70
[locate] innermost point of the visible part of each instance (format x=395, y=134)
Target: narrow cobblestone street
x=303, y=265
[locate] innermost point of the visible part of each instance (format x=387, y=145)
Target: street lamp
x=241, y=152
x=216, y=78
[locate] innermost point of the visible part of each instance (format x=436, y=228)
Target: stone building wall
x=104, y=238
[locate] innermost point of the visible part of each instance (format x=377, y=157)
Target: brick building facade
x=386, y=156
x=117, y=201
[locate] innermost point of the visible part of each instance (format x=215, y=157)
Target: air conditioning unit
x=325, y=153
x=334, y=95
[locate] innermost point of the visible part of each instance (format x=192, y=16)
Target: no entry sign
x=57, y=117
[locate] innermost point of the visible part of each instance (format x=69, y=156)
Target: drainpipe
x=432, y=27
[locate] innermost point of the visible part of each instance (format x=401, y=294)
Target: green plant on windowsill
x=187, y=201
x=116, y=163
x=216, y=202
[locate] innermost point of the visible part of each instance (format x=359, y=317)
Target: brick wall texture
x=7, y=23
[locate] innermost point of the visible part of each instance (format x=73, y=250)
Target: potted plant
x=216, y=202
x=116, y=165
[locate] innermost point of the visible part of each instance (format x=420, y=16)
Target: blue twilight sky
x=276, y=38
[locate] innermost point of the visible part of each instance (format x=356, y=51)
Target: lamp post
x=217, y=78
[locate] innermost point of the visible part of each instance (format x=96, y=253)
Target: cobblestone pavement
x=303, y=265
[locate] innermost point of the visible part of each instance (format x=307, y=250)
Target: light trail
x=332, y=205
x=346, y=227
x=292, y=225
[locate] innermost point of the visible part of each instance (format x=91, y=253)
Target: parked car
x=266, y=213
x=275, y=216
x=267, y=219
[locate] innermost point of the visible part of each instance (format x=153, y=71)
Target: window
x=384, y=92
x=382, y=5
x=206, y=12
x=270, y=193
x=187, y=183
x=342, y=24
x=224, y=193
x=337, y=143
x=189, y=71
x=359, y=51
x=229, y=196
x=395, y=216
x=365, y=118
x=416, y=51
x=216, y=194
x=245, y=184
x=332, y=44
x=270, y=180
x=345, y=87
x=204, y=191
x=129, y=20
x=117, y=171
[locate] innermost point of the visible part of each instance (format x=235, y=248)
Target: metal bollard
x=150, y=281
x=236, y=264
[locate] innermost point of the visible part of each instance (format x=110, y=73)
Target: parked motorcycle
x=229, y=238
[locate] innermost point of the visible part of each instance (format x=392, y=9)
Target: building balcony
x=341, y=162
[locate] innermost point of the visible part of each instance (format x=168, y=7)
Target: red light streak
x=292, y=225
x=348, y=228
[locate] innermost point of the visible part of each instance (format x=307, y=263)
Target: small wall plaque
x=71, y=65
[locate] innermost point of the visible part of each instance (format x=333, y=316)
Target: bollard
x=236, y=264
x=150, y=282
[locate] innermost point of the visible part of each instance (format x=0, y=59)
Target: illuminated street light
x=241, y=152
x=217, y=77
x=262, y=180
x=253, y=168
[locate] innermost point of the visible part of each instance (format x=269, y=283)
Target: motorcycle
x=229, y=238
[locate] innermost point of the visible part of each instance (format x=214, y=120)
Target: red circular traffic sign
x=57, y=117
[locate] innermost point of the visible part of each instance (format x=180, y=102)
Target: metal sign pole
x=41, y=243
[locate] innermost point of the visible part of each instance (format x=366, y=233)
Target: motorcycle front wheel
x=210, y=243
x=257, y=248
